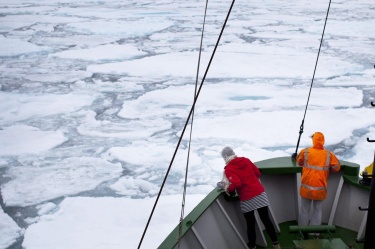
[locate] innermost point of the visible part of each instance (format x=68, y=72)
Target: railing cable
x=186, y=124
x=191, y=132
x=294, y=155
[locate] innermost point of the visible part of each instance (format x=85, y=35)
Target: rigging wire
x=294, y=155
x=186, y=123
x=191, y=131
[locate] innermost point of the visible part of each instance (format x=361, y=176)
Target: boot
x=305, y=235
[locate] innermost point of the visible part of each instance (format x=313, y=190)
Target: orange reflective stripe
x=313, y=188
x=328, y=158
x=317, y=167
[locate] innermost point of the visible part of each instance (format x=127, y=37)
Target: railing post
x=370, y=224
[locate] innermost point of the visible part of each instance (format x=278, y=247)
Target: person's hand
x=220, y=185
x=231, y=196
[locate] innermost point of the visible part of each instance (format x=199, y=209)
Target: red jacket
x=244, y=175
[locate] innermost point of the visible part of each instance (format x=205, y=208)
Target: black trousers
x=264, y=216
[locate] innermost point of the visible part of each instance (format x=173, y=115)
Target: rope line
x=312, y=82
x=186, y=124
x=191, y=132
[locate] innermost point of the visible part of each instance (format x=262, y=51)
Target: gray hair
x=227, y=152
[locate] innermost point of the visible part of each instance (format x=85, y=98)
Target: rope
x=312, y=81
x=191, y=131
x=186, y=123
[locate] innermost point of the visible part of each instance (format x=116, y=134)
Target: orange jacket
x=316, y=162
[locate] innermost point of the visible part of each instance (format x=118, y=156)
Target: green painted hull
x=217, y=222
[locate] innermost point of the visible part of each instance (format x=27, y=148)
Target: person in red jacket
x=242, y=176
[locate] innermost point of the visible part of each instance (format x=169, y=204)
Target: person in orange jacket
x=367, y=175
x=316, y=162
x=369, y=169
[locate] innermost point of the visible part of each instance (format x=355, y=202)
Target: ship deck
x=327, y=241
x=218, y=223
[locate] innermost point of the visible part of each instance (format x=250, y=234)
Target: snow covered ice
x=95, y=94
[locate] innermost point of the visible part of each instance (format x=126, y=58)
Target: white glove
x=220, y=185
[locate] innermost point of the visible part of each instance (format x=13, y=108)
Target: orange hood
x=318, y=140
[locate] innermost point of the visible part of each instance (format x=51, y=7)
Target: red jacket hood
x=238, y=162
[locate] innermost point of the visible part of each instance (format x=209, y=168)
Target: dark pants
x=250, y=221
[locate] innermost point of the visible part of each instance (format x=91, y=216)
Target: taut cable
x=186, y=123
x=191, y=132
x=294, y=155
